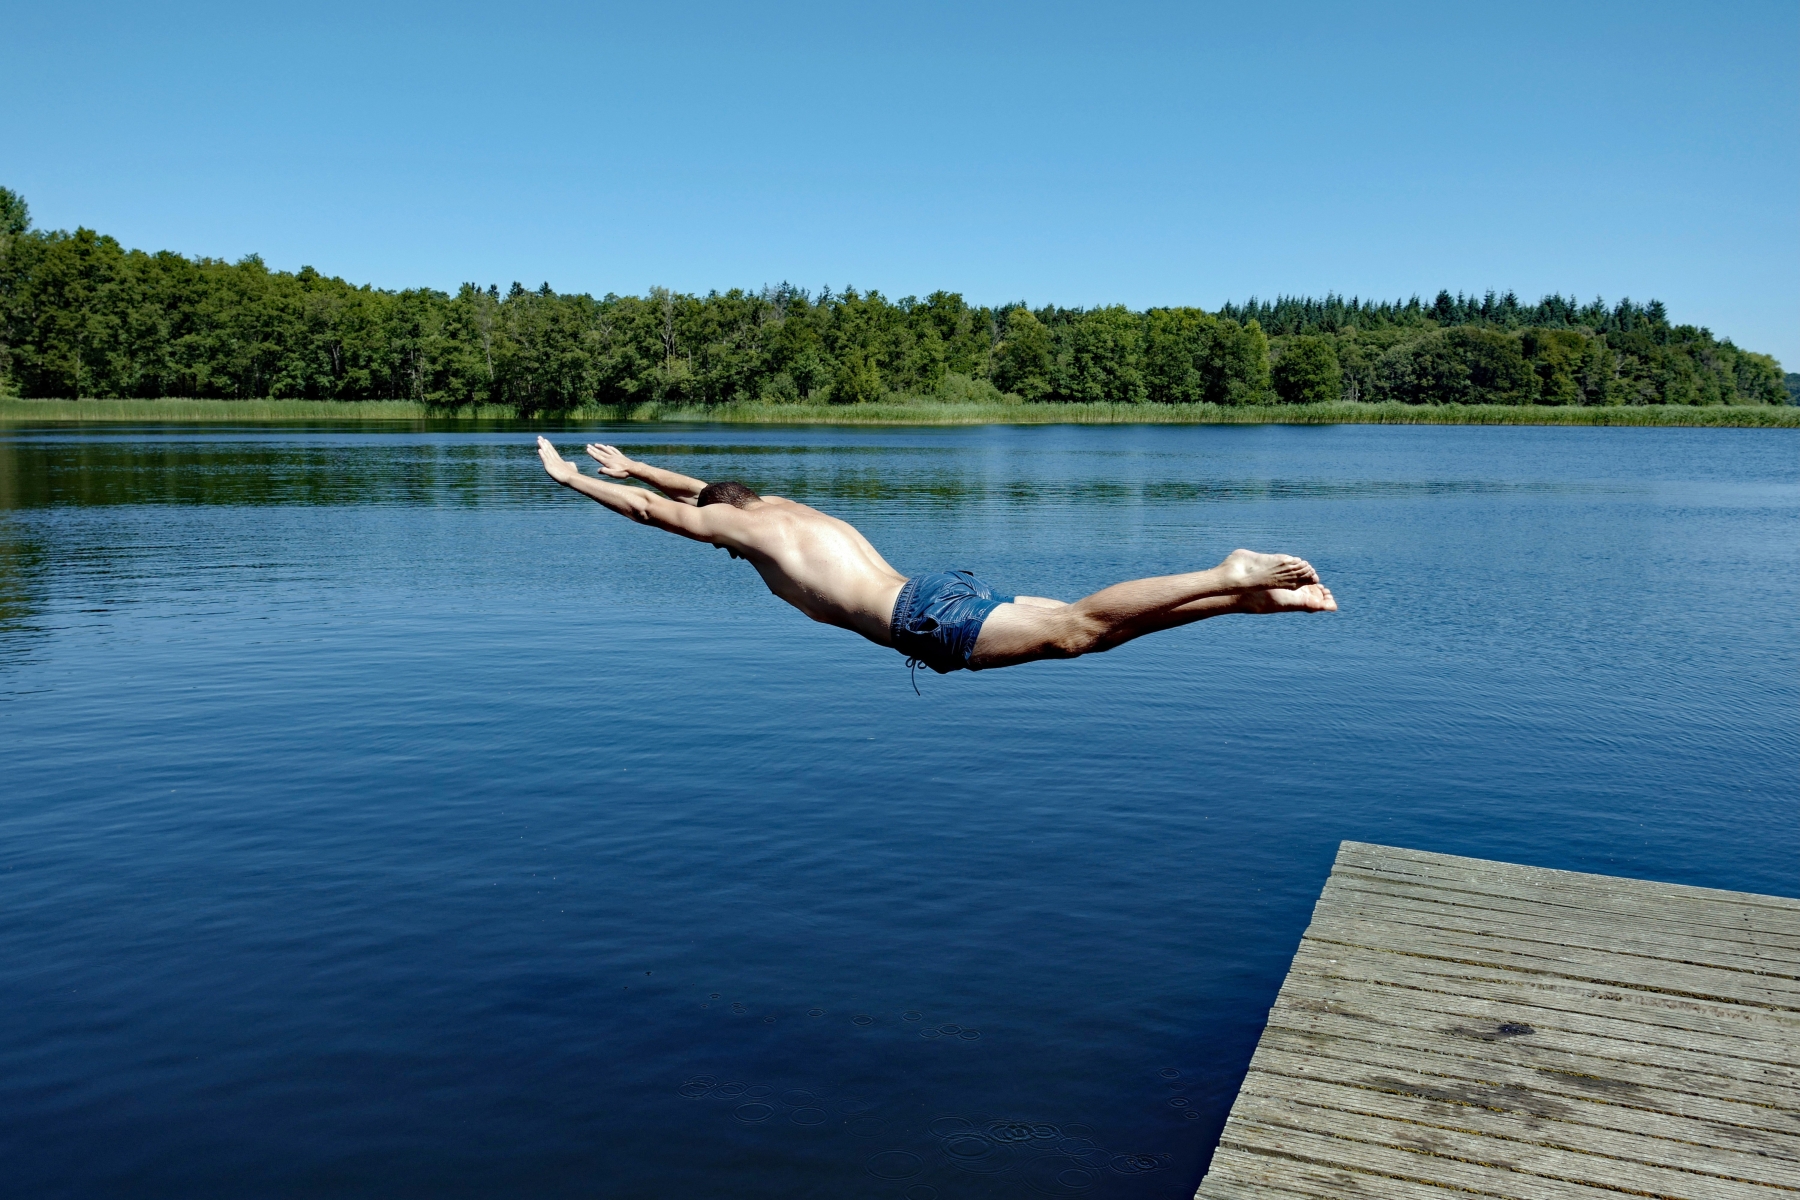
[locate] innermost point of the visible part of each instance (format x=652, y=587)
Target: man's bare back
x=825, y=568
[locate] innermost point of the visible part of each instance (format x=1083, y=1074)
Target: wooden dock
x=1457, y=1027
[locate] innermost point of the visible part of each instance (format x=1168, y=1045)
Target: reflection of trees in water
x=100, y=473
x=97, y=473
x=22, y=561
x=115, y=471
x=951, y=477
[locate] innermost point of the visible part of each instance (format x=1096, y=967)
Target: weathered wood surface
x=1452, y=1026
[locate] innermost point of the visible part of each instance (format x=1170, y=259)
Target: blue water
x=378, y=819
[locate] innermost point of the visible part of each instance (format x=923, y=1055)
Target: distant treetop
x=81, y=315
x=1288, y=315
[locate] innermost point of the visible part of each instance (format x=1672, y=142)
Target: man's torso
x=822, y=566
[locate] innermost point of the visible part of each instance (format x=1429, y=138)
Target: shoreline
x=898, y=412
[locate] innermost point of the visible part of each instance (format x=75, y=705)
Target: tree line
x=80, y=315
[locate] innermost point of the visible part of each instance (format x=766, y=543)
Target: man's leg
x=1031, y=628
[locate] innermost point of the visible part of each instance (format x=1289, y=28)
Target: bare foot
x=1249, y=571
x=1314, y=597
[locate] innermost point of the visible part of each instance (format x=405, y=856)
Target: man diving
x=948, y=621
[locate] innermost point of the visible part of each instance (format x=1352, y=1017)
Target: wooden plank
x=1664, y=940
x=1450, y=1012
x=1613, y=1074
x=1419, y=1166
x=1521, y=1098
x=1772, y=951
x=1347, y=895
x=1398, y=857
x=1576, y=904
x=1701, y=906
x=1672, y=1015
x=1609, y=937
x=1588, y=966
x=1687, y=1056
x=1372, y=1065
x=1243, y=1175
x=1729, y=918
x=1672, y=940
x=1500, y=1154
x=1637, y=1144
x=1452, y=1025
x=1585, y=1123
x=1546, y=1049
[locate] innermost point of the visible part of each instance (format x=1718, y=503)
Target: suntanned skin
x=826, y=569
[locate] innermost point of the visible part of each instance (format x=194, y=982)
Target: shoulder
x=781, y=508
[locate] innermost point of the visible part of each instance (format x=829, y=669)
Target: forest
x=81, y=316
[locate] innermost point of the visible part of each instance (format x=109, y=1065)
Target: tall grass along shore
x=900, y=410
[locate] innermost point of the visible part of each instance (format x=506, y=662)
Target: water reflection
x=22, y=563
x=93, y=474
x=43, y=472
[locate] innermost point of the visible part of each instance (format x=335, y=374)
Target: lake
x=382, y=820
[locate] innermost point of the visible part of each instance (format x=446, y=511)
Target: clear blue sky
x=1070, y=153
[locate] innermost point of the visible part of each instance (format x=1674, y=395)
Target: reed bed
x=897, y=410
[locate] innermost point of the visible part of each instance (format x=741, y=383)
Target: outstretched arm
x=615, y=463
x=640, y=505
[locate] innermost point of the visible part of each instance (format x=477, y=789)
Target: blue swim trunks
x=938, y=617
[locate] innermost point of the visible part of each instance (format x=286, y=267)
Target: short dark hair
x=726, y=491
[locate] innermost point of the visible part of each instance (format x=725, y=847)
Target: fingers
x=553, y=462
x=611, y=461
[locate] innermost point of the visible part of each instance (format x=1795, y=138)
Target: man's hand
x=558, y=467
x=639, y=504
x=675, y=486
x=612, y=461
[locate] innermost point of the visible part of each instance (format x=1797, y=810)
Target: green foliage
x=956, y=388
x=15, y=214
x=1234, y=364
x=1460, y=365
x=1175, y=340
x=1791, y=382
x=1308, y=371
x=1571, y=368
x=1025, y=359
x=81, y=315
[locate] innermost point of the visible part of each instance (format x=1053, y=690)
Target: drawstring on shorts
x=898, y=624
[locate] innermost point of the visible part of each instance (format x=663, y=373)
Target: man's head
x=728, y=491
